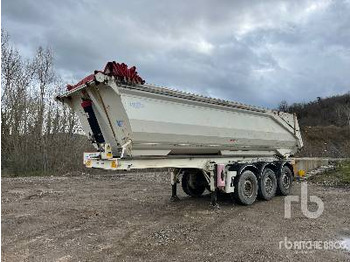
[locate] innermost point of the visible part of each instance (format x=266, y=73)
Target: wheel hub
x=248, y=188
x=285, y=180
x=268, y=185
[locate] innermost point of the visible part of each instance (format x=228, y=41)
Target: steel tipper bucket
x=129, y=118
x=98, y=103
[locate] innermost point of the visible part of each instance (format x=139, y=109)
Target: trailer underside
x=245, y=177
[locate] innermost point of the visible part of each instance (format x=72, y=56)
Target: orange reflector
x=114, y=164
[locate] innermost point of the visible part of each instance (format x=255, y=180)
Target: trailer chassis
x=218, y=171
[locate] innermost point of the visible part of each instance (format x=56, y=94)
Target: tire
x=284, y=181
x=246, y=188
x=267, y=184
x=193, y=183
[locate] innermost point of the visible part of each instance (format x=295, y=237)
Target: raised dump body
x=147, y=120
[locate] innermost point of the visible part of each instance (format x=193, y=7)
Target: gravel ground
x=128, y=217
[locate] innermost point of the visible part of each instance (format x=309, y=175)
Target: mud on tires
x=267, y=184
x=284, y=181
x=193, y=183
x=246, y=188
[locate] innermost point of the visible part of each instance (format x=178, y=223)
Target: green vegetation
x=345, y=172
x=338, y=177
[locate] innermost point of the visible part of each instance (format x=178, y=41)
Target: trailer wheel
x=246, y=188
x=284, y=181
x=267, y=184
x=193, y=183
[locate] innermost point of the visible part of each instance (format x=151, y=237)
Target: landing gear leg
x=213, y=190
x=174, y=196
x=214, y=198
x=174, y=181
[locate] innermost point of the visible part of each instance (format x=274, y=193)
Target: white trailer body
x=153, y=121
x=144, y=126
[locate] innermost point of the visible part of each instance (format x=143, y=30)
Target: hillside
x=325, y=125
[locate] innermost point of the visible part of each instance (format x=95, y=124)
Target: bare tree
x=283, y=106
x=38, y=134
x=343, y=114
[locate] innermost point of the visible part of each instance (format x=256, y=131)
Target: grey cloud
x=251, y=51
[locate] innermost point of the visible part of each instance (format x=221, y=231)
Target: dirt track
x=128, y=217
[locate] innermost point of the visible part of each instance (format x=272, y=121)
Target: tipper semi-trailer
x=209, y=143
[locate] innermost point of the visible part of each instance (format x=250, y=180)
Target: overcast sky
x=256, y=52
